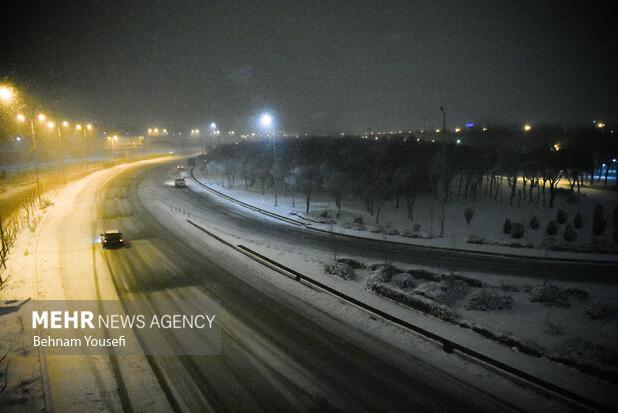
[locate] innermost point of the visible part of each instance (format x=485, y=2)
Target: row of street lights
x=37, y=122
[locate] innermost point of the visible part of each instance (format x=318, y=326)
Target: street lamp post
x=443, y=209
x=61, y=149
x=22, y=119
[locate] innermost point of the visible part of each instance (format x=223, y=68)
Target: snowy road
x=281, y=348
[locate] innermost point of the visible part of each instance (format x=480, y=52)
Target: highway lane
x=244, y=221
x=275, y=353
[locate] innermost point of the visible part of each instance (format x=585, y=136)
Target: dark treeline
x=526, y=166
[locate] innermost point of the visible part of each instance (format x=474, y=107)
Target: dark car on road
x=112, y=238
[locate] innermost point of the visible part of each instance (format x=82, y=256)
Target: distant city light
x=89, y=126
x=18, y=139
x=600, y=125
x=213, y=126
x=78, y=127
x=50, y=124
x=437, y=130
x=557, y=147
x=458, y=141
x=527, y=128
x=65, y=123
x=469, y=124
x=20, y=117
x=457, y=130
x=484, y=129
x=41, y=117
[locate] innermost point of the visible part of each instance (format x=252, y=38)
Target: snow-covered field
x=486, y=224
x=552, y=330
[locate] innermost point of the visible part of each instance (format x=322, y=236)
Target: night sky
x=319, y=66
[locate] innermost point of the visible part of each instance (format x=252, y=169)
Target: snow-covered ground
x=526, y=321
x=487, y=223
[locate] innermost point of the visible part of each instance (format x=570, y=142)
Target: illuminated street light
x=458, y=141
x=6, y=94
x=484, y=129
x=527, y=128
x=89, y=126
x=41, y=117
x=600, y=125
x=65, y=123
x=437, y=130
x=213, y=126
x=20, y=117
x=50, y=124
x=457, y=130
x=557, y=147
x=266, y=120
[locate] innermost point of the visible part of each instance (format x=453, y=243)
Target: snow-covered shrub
x=578, y=221
x=358, y=220
x=340, y=269
x=325, y=214
x=408, y=234
x=517, y=230
x=599, y=223
x=468, y=215
x=534, y=222
x=550, y=295
x=434, y=309
x=569, y=234
x=378, y=229
x=384, y=272
x=392, y=231
x=352, y=262
x=506, y=228
x=403, y=280
x=561, y=216
x=445, y=292
x=552, y=228
x=488, y=299
x=599, y=311
x=417, y=227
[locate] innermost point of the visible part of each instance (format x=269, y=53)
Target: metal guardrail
x=246, y=205
x=448, y=346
